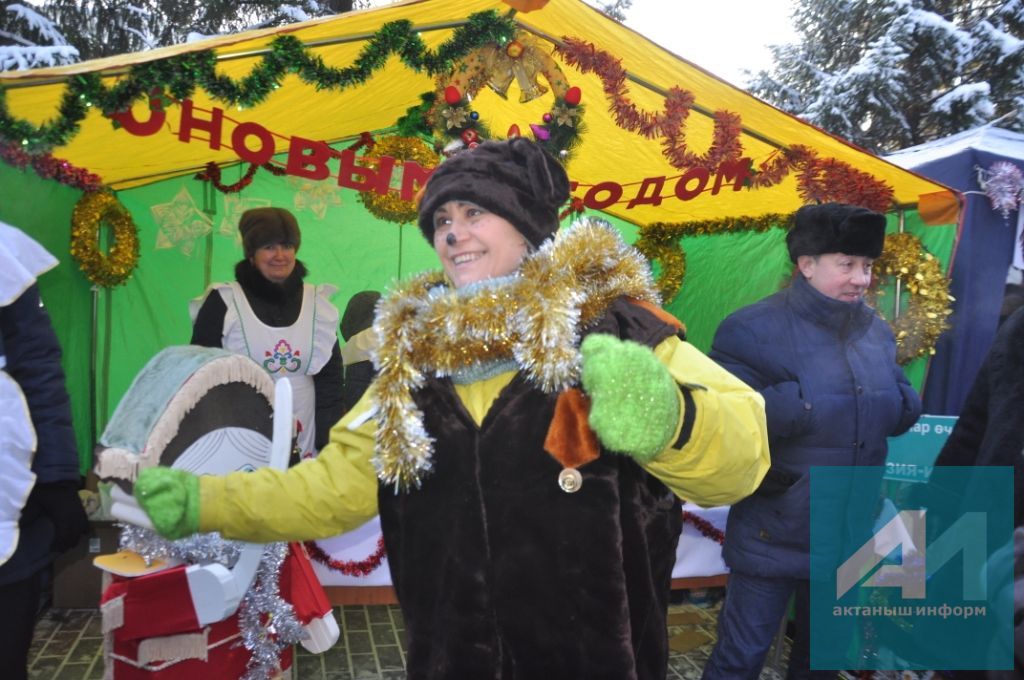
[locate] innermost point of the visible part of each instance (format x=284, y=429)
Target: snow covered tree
x=30, y=40
x=99, y=28
x=615, y=9
x=887, y=74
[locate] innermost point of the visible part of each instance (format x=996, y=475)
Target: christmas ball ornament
x=452, y=96
x=541, y=133
x=573, y=96
x=474, y=115
x=546, y=117
x=469, y=136
x=514, y=49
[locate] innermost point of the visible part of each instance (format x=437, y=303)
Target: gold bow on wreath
x=520, y=60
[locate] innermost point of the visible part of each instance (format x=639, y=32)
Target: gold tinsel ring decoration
x=390, y=206
x=113, y=268
x=919, y=326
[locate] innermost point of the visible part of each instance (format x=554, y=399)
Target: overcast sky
x=723, y=38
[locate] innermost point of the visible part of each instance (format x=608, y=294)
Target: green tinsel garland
x=180, y=75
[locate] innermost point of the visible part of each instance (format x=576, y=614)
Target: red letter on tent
x=257, y=156
x=413, y=179
x=702, y=175
x=157, y=116
x=378, y=179
x=308, y=158
x=737, y=172
x=592, y=201
x=189, y=121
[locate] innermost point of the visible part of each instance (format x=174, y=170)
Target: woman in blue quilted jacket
x=825, y=364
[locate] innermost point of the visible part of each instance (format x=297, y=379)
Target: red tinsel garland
x=349, y=568
x=706, y=528
x=670, y=125
x=48, y=167
x=819, y=179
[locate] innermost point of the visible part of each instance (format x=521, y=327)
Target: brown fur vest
x=503, y=575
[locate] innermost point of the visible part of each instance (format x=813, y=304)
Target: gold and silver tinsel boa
x=533, y=318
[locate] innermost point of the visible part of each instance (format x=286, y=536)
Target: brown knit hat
x=836, y=228
x=516, y=180
x=262, y=226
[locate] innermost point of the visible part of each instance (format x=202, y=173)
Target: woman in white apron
x=285, y=325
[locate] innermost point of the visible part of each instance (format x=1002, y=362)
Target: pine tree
x=887, y=74
x=100, y=28
x=30, y=40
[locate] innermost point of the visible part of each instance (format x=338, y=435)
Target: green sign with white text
x=912, y=454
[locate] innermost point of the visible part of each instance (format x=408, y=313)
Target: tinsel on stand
x=267, y=622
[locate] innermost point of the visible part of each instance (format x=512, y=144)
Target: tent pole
x=400, y=250
x=93, y=358
x=901, y=226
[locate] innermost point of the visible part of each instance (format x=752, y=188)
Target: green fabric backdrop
x=189, y=239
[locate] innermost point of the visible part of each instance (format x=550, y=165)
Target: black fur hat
x=262, y=226
x=836, y=228
x=516, y=180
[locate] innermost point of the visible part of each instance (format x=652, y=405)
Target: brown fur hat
x=516, y=180
x=262, y=226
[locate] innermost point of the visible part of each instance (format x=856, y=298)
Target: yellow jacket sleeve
x=320, y=497
x=726, y=454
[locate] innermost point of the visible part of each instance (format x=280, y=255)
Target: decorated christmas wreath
x=918, y=327
x=447, y=114
x=109, y=269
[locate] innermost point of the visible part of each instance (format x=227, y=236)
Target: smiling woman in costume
x=533, y=418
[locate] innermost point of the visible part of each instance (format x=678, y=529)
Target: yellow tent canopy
x=617, y=169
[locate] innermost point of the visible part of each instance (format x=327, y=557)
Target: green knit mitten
x=634, y=402
x=171, y=500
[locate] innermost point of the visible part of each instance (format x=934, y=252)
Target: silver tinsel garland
x=267, y=622
x=196, y=549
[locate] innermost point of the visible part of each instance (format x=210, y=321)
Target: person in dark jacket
x=282, y=323
x=990, y=430
x=357, y=332
x=825, y=364
x=35, y=414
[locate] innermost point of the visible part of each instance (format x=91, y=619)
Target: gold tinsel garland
x=918, y=327
x=116, y=266
x=390, y=206
x=534, y=318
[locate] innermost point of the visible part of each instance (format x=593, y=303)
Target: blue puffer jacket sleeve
x=737, y=350
x=33, y=359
